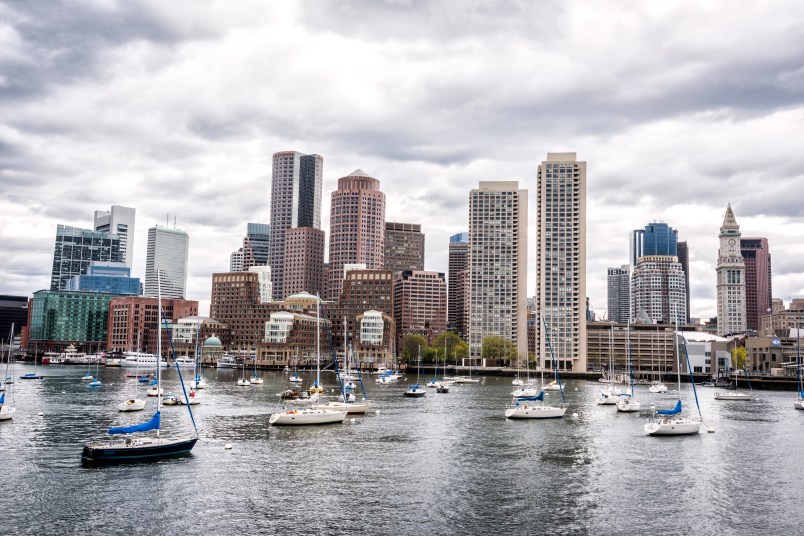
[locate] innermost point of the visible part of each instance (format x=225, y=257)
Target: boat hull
x=627, y=406
x=535, y=412
x=670, y=427
x=306, y=417
x=352, y=408
x=7, y=412
x=134, y=404
x=415, y=393
x=732, y=395
x=128, y=450
x=799, y=404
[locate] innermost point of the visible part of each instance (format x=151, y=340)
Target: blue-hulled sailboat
x=123, y=446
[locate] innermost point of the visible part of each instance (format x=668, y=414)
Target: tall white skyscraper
x=168, y=250
x=119, y=221
x=498, y=233
x=731, y=302
x=561, y=261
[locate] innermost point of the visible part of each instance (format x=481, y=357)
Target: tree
x=452, y=341
x=411, y=345
x=738, y=357
x=498, y=348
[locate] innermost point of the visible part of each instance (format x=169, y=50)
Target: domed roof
x=213, y=341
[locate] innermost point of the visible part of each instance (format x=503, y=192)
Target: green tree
x=738, y=357
x=498, y=348
x=411, y=345
x=452, y=342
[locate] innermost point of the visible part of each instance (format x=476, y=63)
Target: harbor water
x=442, y=464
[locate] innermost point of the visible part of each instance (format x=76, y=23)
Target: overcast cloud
x=679, y=108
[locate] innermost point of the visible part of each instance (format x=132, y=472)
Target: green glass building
x=61, y=317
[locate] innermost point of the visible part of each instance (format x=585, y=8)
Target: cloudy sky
x=176, y=107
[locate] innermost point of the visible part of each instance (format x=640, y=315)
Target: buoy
x=41, y=413
x=574, y=415
x=228, y=446
x=353, y=420
x=377, y=412
x=576, y=388
x=63, y=392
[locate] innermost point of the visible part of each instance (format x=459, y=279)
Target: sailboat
x=670, y=421
x=610, y=395
x=7, y=408
x=799, y=403
x=733, y=393
x=313, y=414
x=443, y=385
x=123, y=446
x=136, y=403
x=32, y=375
x=96, y=382
x=199, y=382
x=627, y=402
x=243, y=380
x=524, y=409
x=658, y=386
x=255, y=379
x=415, y=390
x=348, y=400
x=527, y=390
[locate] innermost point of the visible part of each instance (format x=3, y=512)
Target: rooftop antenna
x=174, y=223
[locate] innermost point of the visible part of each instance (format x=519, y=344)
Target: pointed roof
x=359, y=173
x=729, y=221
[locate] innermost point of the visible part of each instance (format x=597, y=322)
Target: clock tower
x=731, y=310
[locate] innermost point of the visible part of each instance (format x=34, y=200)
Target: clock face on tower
x=731, y=241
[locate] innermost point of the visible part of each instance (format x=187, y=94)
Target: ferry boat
x=140, y=359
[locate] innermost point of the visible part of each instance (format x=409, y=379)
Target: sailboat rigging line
x=181, y=380
x=359, y=374
x=553, y=357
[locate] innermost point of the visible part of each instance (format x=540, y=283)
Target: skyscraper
x=420, y=304
x=498, y=219
x=404, y=246
x=119, y=221
x=684, y=260
x=561, y=260
x=758, y=288
x=458, y=276
x=357, y=228
x=295, y=202
x=619, y=287
x=168, y=250
x=255, y=249
x=655, y=239
x=731, y=317
x=75, y=248
x=658, y=289
x=304, y=261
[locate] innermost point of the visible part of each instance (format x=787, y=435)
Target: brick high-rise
x=758, y=287
x=357, y=228
x=420, y=304
x=404, y=246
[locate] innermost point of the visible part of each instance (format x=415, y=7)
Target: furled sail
x=540, y=396
x=673, y=411
x=153, y=424
x=2, y=399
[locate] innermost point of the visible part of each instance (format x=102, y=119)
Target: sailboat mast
x=317, y=340
x=678, y=359
x=158, y=346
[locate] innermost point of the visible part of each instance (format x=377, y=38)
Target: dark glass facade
x=75, y=248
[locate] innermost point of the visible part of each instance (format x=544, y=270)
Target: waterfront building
x=168, y=250
x=684, y=260
x=59, y=318
x=657, y=289
x=561, y=260
x=404, y=246
x=118, y=221
x=290, y=336
x=458, y=291
x=619, y=293
x=109, y=277
x=75, y=248
x=731, y=305
x=133, y=322
x=775, y=354
x=498, y=219
x=420, y=304
x=296, y=186
x=304, y=261
x=13, y=310
x=237, y=301
x=357, y=228
x=758, y=285
x=186, y=330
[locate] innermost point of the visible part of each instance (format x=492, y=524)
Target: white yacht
x=141, y=359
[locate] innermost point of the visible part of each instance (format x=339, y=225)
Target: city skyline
x=128, y=113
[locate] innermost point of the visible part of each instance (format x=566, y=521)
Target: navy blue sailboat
x=124, y=446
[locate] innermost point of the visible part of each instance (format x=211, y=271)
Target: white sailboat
x=243, y=380
x=8, y=407
x=255, y=378
x=416, y=390
x=313, y=414
x=526, y=408
x=348, y=399
x=670, y=422
x=658, y=386
x=734, y=394
x=611, y=394
x=627, y=402
x=198, y=382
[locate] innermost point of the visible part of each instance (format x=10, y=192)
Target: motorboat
x=295, y=378
x=141, y=359
x=227, y=361
x=657, y=387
